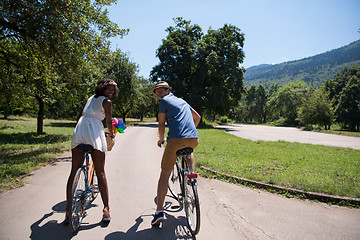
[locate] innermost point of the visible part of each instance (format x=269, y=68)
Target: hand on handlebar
x=160, y=142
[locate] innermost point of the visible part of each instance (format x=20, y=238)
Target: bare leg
x=162, y=188
x=77, y=159
x=191, y=162
x=99, y=162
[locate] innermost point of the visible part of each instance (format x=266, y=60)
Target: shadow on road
x=57, y=230
x=150, y=125
x=52, y=228
x=172, y=228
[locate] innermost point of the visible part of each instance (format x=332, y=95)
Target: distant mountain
x=313, y=70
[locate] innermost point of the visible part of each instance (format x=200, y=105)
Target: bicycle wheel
x=192, y=206
x=175, y=182
x=78, y=199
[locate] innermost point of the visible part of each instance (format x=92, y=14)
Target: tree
x=178, y=63
x=344, y=94
x=219, y=56
x=250, y=103
x=255, y=105
x=124, y=72
x=316, y=109
x=202, y=69
x=348, y=108
x=56, y=38
x=144, y=105
x=287, y=100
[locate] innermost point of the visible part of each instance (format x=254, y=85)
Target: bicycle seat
x=85, y=148
x=184, y=151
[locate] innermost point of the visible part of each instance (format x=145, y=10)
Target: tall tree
x=202, y=69
x=57, y=38
x=344, y=93
x=178, y=64
x=348, y=108
x=124, y=72
x=219, y=57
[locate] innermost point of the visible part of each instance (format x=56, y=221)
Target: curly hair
x=103, y=84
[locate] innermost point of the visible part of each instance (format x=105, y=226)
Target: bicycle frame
x=89, y=168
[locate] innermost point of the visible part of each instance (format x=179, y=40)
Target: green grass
x=339, y=131
x=22, y=150
x=307, y=167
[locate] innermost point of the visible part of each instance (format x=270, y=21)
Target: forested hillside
x=312, y=70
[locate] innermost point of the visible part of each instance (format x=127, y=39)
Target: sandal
x=106, y=215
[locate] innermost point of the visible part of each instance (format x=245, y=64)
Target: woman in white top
x=89, y=130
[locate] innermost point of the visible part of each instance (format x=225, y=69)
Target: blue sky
x=275, y=30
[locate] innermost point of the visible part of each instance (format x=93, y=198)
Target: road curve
x=228, y=211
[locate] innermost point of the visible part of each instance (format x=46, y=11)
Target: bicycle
x=84, y=189
x=183, y=187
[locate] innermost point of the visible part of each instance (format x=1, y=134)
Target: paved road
x=289, y=134
x=228, y=211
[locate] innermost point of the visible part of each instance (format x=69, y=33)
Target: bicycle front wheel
x=192, y=205
x=78, y=199
x=175, y=182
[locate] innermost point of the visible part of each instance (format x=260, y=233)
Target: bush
x=224, y=120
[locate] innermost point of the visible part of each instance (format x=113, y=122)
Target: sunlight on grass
x=306, y=167
x=22, y=150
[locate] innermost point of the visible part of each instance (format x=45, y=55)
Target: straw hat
x=161, y=85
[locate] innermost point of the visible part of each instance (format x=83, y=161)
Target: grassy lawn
x=22, y=150
x=322, y=169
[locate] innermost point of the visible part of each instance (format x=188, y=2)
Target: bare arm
x=107, y=105
x=162, y=120
x=196, y=117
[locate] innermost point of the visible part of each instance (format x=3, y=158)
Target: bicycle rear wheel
x=78, y=199
x=175, y=182
x=192, y=205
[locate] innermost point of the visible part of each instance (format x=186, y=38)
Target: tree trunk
x=6, y=112
x=41, y=113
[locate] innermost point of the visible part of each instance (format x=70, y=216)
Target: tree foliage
x=54, y=43
x=135, y=96
x=316, y=109
x=344, y=93
x=202, y=69
x=287, y=100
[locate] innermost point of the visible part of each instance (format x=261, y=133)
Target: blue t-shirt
x=178, y=116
